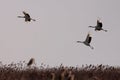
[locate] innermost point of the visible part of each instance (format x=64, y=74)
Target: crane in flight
x=99, y=26
x=87, y=41
x=27, y=17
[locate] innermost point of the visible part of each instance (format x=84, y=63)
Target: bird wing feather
x=26, y=14
x=87, y=38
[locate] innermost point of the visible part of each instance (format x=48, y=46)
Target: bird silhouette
x=87, y=41
x=31, y=61
x=27, y=17
x=99, y=26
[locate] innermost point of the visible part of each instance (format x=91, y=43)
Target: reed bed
x=19, y=71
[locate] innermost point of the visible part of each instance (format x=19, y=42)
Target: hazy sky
x=60, y=23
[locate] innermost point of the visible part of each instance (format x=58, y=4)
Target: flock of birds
x=87, y=41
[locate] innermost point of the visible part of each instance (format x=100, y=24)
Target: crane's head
x=89, y=33
x=24, y=12
x=98, y=19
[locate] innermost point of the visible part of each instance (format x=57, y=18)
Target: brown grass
x=18, y=71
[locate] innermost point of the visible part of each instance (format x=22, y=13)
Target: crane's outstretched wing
x=26, y=14
x=31, y=62
x=87, y=38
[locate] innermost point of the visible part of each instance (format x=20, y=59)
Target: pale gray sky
x=60, y=23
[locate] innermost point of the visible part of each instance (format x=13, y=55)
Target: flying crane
x=99, y=26
x=27, y=17
x=87, y=41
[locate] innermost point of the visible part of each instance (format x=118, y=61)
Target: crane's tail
x=105, y=30
x=91, y=47
x=33, y=19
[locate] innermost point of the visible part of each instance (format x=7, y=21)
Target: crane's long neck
x=92, y=26
x=21, y=17
x=80, y=42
